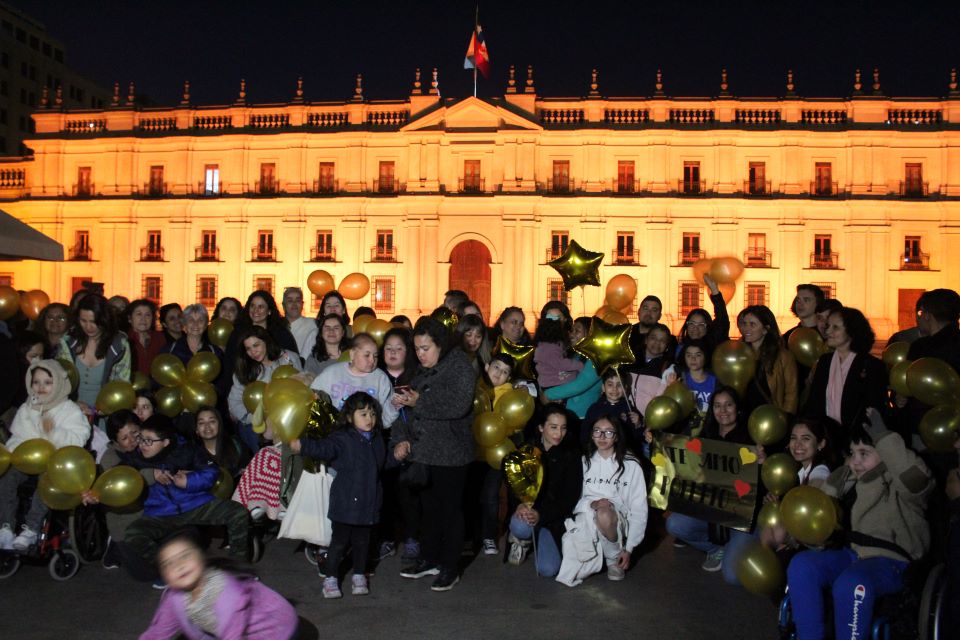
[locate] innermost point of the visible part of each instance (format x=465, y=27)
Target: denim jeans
x=248, y=437
x=547, y=558
x=9, y=483
x=696, y=534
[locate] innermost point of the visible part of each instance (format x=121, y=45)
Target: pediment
x=472, y=114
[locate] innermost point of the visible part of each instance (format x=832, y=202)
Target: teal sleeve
x=586, y=379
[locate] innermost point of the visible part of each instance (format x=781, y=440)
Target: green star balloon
x=607, y=345
x=578, y=267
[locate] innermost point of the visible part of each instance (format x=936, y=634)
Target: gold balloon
x=33, y=302
x=607, y=345
x=194, y=395
x=284, y=371
x=345, y=356
x=767, y=424
x=168, y=370
x=72, y=374
x=523, y=471
x=446, y=317
x=320, y=283
x=779, y=473
x=482, y=398
x=5, y=457
x=118, y=486
x=71, y=469
x=253, y=394
x=808, y=514
x=727, y=290
x=577, y=266
x=769, y=516
x=223, y=487
x=522, y=356
x=286, y=406
x=726, y=269
x=360, y=324
x=898, y=378
x=489, y=429
x=493, y=456
x=603, y=311
x=32, y=456
x=139, y=380
x=621, y=291
x=116, y=395
x=516, y=406
x=615, y=318
x=9, y=302
x=700, y=268
x=932, y=381
x=806, y=345
x=895, y=353
x=661, y=413
x=219, y=332
x=377, y=329
x=682, y=396
x=322, y=421
x=282, y=392
x=759, y=570
x=204, y=366
x=939, y=428
x=354, y=286
x=169, y=402
x=734, y=363
x=53, y=497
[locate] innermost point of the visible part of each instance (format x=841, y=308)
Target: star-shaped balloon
x=607, y=345
x=578, y=267
x=522, y=358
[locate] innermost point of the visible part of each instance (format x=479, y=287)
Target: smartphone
x=402, y=389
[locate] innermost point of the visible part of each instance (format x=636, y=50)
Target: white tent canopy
x=19, y=241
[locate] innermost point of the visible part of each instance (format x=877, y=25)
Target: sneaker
x=359, y=586
x=6, y=538
x=445, y=581
x=419, y=569
x=159, y=585
x=518, y=550
x=387, y=548
x=714, y=561
x=489, y=547
x=411, y=550
x=26, y=539
x=678, y=543
x=331, y=589
x=257, y=513
x=111, y=556
x=615, y=573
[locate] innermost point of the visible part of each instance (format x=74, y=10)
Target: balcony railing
x=915, y=261
x=155, y=188
x=81, y=252
x=151, y=254
x=266, y=187
x=323, y=254
x=84, y=189
x=757, y=187
x=691, y=187
x=626, y=186
x=824, y=188
x=914, y=189
x=206, y=254
x=204, y=190
x=757, y=258
x=553, y=255
x=688, y=257
x=263, y=254
x=383, y=254
x=471, y=185
x=388, y=186
x=325, y=186
x=825, y=260
x=560, y=186
x=625, y=257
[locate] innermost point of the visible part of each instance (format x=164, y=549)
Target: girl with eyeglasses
x=700, y=326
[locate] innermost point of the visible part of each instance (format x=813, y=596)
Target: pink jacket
x=553, y=368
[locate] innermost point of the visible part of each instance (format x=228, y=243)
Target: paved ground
x=666, y=595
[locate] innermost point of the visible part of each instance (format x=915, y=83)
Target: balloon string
x=583, y=299
x=626, y=391
x=536, y=567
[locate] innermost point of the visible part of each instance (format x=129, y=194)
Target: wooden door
x=907, y=307
x=470, y=272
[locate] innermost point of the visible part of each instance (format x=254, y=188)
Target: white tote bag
x=306, y=517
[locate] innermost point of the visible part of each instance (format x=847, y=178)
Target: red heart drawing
x=743, y=488
x=695, y=446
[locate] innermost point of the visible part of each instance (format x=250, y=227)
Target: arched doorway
x=470, y=272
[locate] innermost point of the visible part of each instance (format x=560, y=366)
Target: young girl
x=473, y=336
x=145, y=405
x=359, y=455
x=611, y=517
x=202, y=601
x=692, y=366
x=612, y=402
x=883, y=493
x=582, y=391
x=553, y=357
x=212, y=436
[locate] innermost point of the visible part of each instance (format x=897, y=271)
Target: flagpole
x=476, y=23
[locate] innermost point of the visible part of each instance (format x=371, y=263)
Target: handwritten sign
x=710, y=480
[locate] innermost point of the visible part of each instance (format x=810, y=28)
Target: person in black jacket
x=358, y=454
x=562, y=483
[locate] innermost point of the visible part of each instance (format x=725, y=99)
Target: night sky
x=213, y=44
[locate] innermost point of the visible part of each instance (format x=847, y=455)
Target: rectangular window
x=264, y=249
x=823, y=256
x=208, y=246
x=384, y=251
x=326, y=182
x=268, y=178
x=913, y=257
x=383, y=293
x=559, y=240
x=207, y=291
x=84, y=183
x=756, y=293
x=757, y=255
x=472, y=182
x=758, y=178
x=6, y=279
x=561, y=176
x=263, y=283
x=829, y=289
x=691, y=294
x=624, y=252
x=913, y=180
x=386, y=182
x=555, y=291
x=81, y=246
x=152, y=288
x=211, y=179
x=156, y=186
x=690, y=249
x=154, y=248
x=626, y=182
x=691, y=177
x=323, y=249
x=823, y=179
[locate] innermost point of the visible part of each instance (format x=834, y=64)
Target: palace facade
x=191, y=203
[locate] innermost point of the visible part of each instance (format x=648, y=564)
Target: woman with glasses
x=52, y=325
x=700, y=326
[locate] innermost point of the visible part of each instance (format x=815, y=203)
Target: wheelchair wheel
x=88, y=533
x=931, y=605
x=64, y=564
x=314, y=554
x=256, y=549
x=9, y=564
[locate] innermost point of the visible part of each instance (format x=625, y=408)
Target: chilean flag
x=477, y=55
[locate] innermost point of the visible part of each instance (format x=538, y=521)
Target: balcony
x=155, y=189
x=323, y=254
x=268, y=187
x=626, y=187
x=757, y=258
x=825, y=260
x=564, y=186
x=383, y=254
x=914, y=189
x=263, y=254
x=621, y=257
x=757, y=187
x=471, y=185
x=325, y=186
x=553, y=255
x=691, y=187
x=390, y=186
x=151, y=254
x=824, y=188
x=915, y=261
x=206, y=254
x=80, y=253
x=83, y=190
x=204, y=190
x=687, y=257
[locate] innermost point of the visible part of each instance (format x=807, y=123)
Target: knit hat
x=61, y=385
